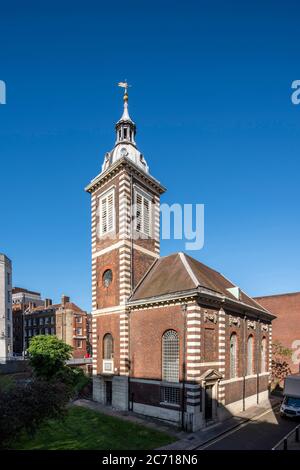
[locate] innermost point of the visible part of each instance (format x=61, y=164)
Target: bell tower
x=125, y=212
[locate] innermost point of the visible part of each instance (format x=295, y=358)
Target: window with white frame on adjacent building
x=78, y=343
x=142, y=202
x=78, y=331
x=107, y=212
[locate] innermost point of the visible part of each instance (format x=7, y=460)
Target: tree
x=25, y=407
x=280, y=366
x=48, y=355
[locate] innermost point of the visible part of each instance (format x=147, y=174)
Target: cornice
x=119, y=165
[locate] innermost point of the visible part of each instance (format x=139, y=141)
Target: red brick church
x=172, y=338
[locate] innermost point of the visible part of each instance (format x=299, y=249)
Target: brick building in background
x=65, y=320
x=22, y=299
x=172, y=338
x=286, y=326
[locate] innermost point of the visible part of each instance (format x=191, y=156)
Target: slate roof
x=179, y=273
x=17, y=290
x=67, y=305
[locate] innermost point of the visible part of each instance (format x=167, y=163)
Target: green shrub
x=24, y=407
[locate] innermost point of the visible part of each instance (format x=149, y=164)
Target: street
x=261, y=433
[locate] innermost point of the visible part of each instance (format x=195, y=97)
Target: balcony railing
x=108, y=366
x=80, y=360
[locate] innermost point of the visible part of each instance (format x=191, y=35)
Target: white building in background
x=6, y=330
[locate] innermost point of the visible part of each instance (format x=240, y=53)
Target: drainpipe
x=244, y=362
x=130, y=408
x=184, y=308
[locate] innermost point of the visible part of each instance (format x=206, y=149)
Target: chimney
x=47, y=302
x=64, y=299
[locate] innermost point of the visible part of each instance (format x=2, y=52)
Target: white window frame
x=144, y=195
x=106, y=194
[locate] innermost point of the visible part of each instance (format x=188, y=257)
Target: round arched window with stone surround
x=170, y=356
x=263, y=365
x=250, y=350
x=108, y=346
x=233, y=355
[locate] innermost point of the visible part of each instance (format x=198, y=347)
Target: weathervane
x=125, y=86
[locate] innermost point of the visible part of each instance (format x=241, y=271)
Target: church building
x=172, y=338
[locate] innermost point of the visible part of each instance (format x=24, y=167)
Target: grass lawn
x=86, y=429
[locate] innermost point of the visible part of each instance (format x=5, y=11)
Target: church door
x=208, y=402
x=108, y=390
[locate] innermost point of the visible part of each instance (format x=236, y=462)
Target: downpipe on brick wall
x=244, y=362
x=258, y=359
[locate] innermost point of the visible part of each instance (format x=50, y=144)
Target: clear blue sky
x=211, y=98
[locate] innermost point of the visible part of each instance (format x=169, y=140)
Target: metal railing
x=11, y=359
x=285, y=440
x=77, y=360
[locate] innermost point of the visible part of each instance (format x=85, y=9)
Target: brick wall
x=108, y=296
x=108, y=324
x=146, y=330
x=286, y=327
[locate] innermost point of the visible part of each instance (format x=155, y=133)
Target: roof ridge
x=188, y=268
x=276, y=295
x=229, y=280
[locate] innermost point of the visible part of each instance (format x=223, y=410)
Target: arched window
x=250, y=355
x=170, y=356
x=233, y=355
x=108, y=346
x=263, y=353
